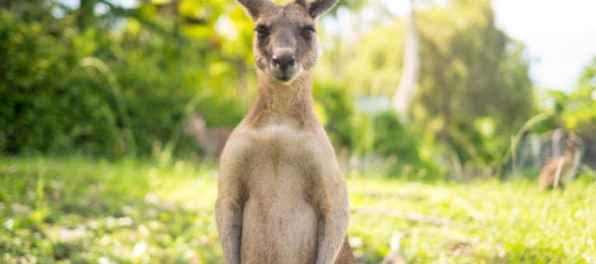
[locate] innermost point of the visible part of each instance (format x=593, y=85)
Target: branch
x=387, y=194
x=119, y=11
x=412, y=217
x=394, y=256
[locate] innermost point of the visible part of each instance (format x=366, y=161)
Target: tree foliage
x=104, y=79
x=474, y=86
x=474, y=91
x=580, y=114
x=106, y=87
x=574, y=111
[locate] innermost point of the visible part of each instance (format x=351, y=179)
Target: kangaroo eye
x=308, y=32
x=262, y=31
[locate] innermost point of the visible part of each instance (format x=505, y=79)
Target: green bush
x=103, y=92
x=47, y=102
x=406, y=148
x=338, y=110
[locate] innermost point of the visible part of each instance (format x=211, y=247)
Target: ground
x=85, y=210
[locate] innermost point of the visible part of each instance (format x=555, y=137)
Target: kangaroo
x=561, y=167
x=212, y=140
x=282, y=196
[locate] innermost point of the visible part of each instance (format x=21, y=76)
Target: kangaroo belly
x=282, y=231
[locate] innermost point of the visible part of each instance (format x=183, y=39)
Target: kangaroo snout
x=284, y=64
x=284, y=61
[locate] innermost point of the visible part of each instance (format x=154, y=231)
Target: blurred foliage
x=574, y=111
x=580, y=113
x=111, y=88
x=337, y=107
x=121, y=81
x=474, y=87
x=102, y=79
x=474, y=91
x=44, y=93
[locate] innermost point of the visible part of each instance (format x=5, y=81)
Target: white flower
x=9, y=224
x=139, y=249
x=104, y=260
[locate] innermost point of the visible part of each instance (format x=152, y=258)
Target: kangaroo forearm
x=331, y=237
x=329, y=246
x=230, y=241
x=229, y=225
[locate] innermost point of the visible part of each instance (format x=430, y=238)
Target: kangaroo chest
x=281, y=161
x=280, y=147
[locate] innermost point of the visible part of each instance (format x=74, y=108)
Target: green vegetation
x=122, y=81
x=109, y=88
x=80, y=210
x=85, y=211
x=104, y=80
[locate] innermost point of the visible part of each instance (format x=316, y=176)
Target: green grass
x=82, y=210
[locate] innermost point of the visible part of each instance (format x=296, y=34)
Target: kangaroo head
x=194, y=124
x=574, y=141
x=285, y=42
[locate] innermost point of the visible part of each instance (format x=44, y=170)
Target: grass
x=81, y=210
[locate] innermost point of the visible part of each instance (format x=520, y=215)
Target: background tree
x=474, y=85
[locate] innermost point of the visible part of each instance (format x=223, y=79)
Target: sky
x=560, y=36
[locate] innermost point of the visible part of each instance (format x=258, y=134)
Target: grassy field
x=82, y=210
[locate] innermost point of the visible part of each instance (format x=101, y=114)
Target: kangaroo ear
x=317, y=7
x=255, y=7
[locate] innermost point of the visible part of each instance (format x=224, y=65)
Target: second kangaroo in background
x=211, y=140
x=562, y=168
x=282, y=197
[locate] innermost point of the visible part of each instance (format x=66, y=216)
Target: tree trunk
x=85, y=14
x=444, y=134
x=409, y=77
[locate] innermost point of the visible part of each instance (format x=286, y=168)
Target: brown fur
x=282, y=197
x=211, y=140
x=560, y=168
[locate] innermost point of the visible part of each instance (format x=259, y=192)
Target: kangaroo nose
x=284, y=61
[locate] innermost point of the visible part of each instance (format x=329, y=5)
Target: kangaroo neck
x=284, y=104
x=202, y=135
x=570, y=153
